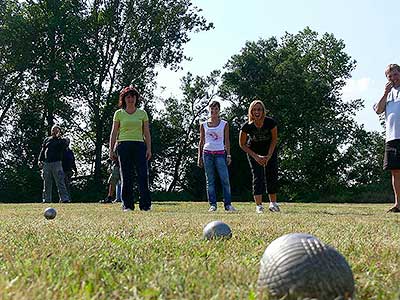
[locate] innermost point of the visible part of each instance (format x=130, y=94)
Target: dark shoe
x=65, y=201
x=107, y=200
x=394, y=209
x=117, y=201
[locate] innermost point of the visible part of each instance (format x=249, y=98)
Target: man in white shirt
x=390, y=105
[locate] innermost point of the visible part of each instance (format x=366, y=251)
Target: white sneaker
x=259, y=209
x=230, y=208
x=127, y=209
x=274, y=207
x=212, y=208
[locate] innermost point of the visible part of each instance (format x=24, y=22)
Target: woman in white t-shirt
x=214, y=154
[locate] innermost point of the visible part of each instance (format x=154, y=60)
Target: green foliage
x=299, y=78
x=65, y=61
x=364, y=157
x=73, y=57
x=93, y=251
x=177, y=134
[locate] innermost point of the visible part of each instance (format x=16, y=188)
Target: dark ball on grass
x=50, y=213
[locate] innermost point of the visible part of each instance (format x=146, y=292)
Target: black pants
x=264, y=178
x=132, y=157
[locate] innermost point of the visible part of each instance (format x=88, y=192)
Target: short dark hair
x=215, y=104
x=129, y=90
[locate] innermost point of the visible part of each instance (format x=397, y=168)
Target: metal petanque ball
x=300, y=266
x=50, y=213
x=216, y=230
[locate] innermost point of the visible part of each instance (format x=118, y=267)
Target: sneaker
x=65, y=201
x=274, y=207
x=230, y=208
x=108, y=199
x=117, y=201
x=394, y=209
x=127, y=209
x=212, y=208
x=259, y=209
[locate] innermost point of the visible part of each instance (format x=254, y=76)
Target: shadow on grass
x=324, y=212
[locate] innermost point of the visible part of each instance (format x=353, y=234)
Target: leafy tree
x=178, y=133
x=14, y=55
x=37, y=38
x=126, y=40
x=299, y=78
x=365, y=157
x=72, y=57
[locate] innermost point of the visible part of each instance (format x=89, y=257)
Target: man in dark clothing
x=69, y=166
x=50, y=158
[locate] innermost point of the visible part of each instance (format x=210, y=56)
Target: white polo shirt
x=392, y=115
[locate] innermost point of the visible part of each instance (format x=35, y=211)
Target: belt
x=220, y=152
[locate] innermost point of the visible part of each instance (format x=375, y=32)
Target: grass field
x=93, y=251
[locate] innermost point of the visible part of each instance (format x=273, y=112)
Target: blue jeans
x=217, y=162
x=132, y=157
x=118, y=191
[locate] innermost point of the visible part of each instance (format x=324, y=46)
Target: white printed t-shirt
x=214, y=137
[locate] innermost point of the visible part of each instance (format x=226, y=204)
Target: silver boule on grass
x=217, y=230
x=300, y=266
x=50, y=213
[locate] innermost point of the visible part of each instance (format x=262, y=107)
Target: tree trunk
x=50, y=94
x=98, y=152
x=176, y=176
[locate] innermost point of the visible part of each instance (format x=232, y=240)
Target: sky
x=369, y=29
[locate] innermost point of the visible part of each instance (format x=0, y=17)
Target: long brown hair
x=252, y=104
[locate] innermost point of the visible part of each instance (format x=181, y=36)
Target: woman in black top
x=258, y=138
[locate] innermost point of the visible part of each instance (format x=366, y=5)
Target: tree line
x=64, y=62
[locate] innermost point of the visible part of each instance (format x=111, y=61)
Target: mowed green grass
x=93, y=251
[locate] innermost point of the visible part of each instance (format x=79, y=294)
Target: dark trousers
x=132, y=157
x=265, y=178
x=68, y=179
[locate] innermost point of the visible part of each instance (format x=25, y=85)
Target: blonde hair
x=252, y=104
x=392, y=67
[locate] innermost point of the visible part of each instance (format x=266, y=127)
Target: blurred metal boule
x=217, y=229
x=299, y=266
